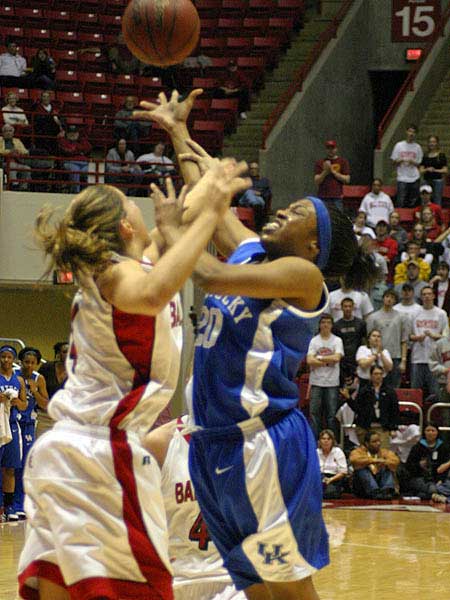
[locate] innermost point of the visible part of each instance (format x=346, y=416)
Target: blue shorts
x=28, y=432
x=259, y=488
x=11, y=454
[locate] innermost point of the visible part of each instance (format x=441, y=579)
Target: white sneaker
x=243, y=115
x=11, y=515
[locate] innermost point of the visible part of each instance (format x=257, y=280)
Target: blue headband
x=323, y=231
x=7, y=348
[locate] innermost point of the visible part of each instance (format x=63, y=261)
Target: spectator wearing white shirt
x=155, y=162
x=324, y=355
x=359, y=226
x=408, y=305
x=362, y=304
x=407, y=155
x=372, y=354
x=13, y=67
x=377, y=205
x=428, y=326
x=13, y=114
x=333, y=465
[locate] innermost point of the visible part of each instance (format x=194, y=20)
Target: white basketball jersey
x=122, y=368
x=193, y=555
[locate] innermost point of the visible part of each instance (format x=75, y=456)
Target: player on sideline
x=13, y=396
x=89, y=536
x=253, y=460
x=36, y=390
x=198, y=569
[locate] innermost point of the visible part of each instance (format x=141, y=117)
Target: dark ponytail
x=347, y=259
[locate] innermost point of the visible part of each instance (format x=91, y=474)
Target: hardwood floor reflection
x=375, y=555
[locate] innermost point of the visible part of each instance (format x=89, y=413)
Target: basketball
x=161, y=32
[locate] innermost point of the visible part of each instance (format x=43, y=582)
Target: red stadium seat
x=7, y=15
x=254, y=26
x=225, y=110
x=209, y=27
x=15, y=34
x=65, y=58
x=66, y=39
x=209, y=8
x=200, y=109
x=253, y=67
x=100, y=103
x=90, y=38
x=237, y=46
x=410, y=395
x=229, y=27
x=212, y=46
x=207, y=83
x=94, y=82
x=292, y=9
x=406, y=214
x=210, y=134
x=58, y=19
x=262, y=8
x=41, y=37
x=67, y=79
x=71, y=101
x=234, y=8
x=268, y=47
x=124, y=84
x=111, y=21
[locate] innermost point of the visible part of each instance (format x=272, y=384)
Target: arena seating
x=252, y=31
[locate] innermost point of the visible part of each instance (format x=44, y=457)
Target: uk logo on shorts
x=275, y=556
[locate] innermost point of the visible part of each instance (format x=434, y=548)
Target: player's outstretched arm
x=230, y=231
x=172, y=115
x=297, y=280
x=128, y=287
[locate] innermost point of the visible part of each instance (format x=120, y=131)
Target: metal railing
x=438, y=405
x=55, y=177
x=345, y=426
x=303, y=72
x=408, y=84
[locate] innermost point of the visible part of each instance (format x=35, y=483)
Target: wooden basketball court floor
x=376, y=554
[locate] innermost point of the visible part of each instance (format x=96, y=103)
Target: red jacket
x=77, y=150
x=392, y=248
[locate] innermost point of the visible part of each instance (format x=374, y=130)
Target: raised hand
x=198, y=155
x=167, y=113
x=219, y=184
x=168, y=209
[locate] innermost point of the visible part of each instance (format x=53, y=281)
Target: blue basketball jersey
x=29, y=414
x=248, y=352
x=11, y=383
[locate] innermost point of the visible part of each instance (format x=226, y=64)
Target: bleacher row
x=254, y=32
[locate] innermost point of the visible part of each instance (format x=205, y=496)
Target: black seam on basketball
x=171, y=30
x=152, y=40
x=135, y=19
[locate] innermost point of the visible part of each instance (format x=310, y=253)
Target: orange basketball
x=161, y=32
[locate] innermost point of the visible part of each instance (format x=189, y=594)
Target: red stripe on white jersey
x=150, y=564
x=135, y=335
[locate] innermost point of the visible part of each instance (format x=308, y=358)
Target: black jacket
x=364, y=407
x=434, y=457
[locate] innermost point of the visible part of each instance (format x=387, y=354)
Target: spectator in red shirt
x=426, y=192
x=76, y=149
x=234, y=85
x=428, y=220
x=330, y=175
x=386, y=245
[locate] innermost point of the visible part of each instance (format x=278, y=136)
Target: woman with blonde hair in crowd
x=333, y=465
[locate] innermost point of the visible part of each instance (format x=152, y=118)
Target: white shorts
x=96, y=519
x=219, y=590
